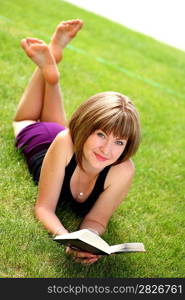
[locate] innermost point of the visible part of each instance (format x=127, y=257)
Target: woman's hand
x=82, y=257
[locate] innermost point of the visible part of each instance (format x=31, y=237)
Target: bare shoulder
x=123, y=171
x=126, y=167
x=62, y=146
x=64, y=137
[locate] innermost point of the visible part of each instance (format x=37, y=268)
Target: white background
x=162, y=19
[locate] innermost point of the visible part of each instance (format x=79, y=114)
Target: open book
x=88, y=241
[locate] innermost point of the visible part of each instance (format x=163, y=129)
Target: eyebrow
x=116, y=137
x=119, y=138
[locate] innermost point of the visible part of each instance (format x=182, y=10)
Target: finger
x=91, y=260
x=68, y=250
x=86, y=261
x=81, y=254
x=34, y=40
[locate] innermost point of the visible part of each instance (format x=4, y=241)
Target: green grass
x=105, y=56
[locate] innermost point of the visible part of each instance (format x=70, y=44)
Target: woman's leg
x=30, y=103
x=42, y=98
x=53, y=106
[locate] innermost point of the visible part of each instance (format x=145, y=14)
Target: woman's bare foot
x=41, y=55
x=65, y=31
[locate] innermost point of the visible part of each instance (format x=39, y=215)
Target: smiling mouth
x=101, y=158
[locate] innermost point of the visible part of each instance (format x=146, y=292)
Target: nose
x=106, y=148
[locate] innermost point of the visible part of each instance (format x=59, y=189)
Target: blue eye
x=100, y=134
x=120, y=143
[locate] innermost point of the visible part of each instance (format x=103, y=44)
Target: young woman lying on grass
x=85, y=162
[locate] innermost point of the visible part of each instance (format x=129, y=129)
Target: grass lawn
x=105, y=56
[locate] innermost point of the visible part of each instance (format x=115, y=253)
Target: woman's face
x=101, y=149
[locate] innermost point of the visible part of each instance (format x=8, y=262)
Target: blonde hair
x=111, y=112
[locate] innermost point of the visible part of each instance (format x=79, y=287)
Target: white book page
x=88, y=237
x=95, y=240
x=127, y=247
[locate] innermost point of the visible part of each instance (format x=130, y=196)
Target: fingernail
x=94, y=259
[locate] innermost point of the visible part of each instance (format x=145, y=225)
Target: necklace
x=81, y=193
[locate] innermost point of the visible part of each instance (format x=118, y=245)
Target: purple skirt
x=34, y=141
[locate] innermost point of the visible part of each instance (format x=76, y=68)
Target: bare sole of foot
x=65, y=31
x=41, y=55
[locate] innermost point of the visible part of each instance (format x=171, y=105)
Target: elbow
x=100, y=227
x=42, y=212
x=39, y=212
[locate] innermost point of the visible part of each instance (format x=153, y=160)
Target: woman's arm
x=50, y=182
x=117, y=185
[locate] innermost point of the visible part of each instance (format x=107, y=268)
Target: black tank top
x=66, y=197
